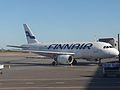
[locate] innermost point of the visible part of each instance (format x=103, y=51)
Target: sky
x=58, y=20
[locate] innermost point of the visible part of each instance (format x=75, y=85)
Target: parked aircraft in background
x=67, y=53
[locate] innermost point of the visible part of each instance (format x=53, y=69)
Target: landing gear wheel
x=1, y=72
x=74, y=62
x=99, y=62
x=54, y=63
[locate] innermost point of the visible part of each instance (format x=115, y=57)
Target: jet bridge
x=112, y=41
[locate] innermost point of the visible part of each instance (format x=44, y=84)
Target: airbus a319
x=67, y=53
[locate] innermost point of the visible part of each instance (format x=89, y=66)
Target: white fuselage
x=85, y=50
x=66, y=53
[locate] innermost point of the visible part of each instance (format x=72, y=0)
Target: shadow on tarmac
x=99, y=82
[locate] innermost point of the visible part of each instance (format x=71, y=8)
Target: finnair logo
x=28, y=35
x=71, y=46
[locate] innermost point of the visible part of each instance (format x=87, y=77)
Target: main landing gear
x=54, y=63
x=74, y=62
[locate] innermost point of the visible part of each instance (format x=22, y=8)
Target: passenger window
x=104, y=47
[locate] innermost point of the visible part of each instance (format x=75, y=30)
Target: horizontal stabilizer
x=22, y=47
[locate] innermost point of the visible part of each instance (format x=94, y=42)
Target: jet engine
x=64, y=59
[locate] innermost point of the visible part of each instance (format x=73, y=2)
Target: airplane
x=67, y=53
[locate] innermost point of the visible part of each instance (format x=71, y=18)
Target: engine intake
x=64, y=59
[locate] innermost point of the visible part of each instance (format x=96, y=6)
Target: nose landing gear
x=99, y=62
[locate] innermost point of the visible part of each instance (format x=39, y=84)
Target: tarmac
x=21, y=73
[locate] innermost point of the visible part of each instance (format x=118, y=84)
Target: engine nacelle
x=64, y=59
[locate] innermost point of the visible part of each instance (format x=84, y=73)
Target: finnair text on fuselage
x=71, y=46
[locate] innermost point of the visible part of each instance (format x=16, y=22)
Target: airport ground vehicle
x=111, y=69
x=1, y=67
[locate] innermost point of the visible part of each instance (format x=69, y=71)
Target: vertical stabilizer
x=29, y=35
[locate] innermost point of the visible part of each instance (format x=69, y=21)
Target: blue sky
x=58, y=20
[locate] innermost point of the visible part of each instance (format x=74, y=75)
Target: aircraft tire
x=74, y=62
x=54, y=63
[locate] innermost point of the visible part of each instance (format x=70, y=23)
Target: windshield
x=105, y=47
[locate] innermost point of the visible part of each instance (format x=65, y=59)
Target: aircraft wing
x=50, y=54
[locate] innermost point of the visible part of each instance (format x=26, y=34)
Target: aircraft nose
x=114, y=52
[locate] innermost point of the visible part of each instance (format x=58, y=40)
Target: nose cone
x=114, y=52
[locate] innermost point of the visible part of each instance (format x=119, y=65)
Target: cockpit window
x=107, y=47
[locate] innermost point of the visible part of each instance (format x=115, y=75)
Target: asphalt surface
x=22, y=73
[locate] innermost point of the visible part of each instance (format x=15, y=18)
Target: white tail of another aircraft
x=29, y=35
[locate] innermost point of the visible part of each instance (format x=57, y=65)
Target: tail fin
x=29, y=35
